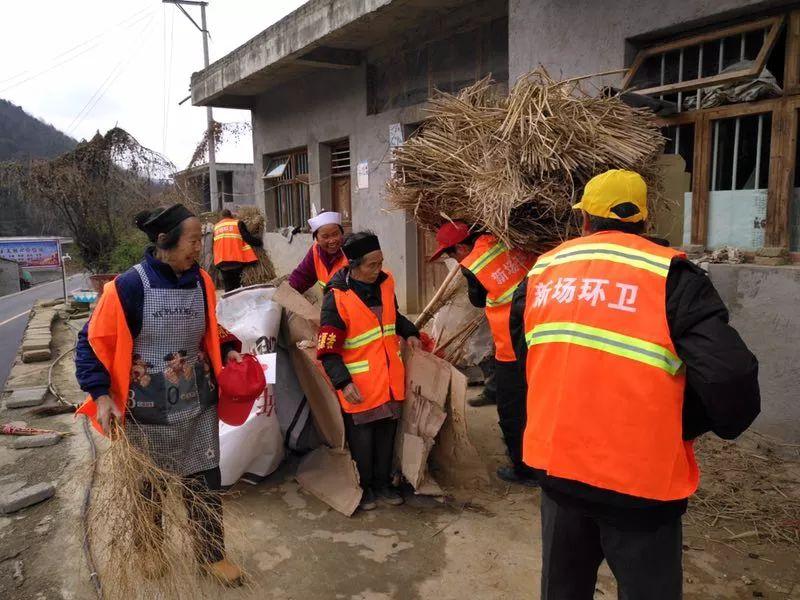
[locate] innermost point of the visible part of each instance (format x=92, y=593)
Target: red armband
x=330, y=341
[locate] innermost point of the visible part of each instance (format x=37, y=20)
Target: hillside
x=23, y=136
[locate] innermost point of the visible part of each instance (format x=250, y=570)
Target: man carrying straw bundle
x=149, y=357
x=493, y=272
x=233, y=249
x=629, y=357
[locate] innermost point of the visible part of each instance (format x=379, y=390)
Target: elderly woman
x=152, y=317
x=325, y=256
x=360, y=350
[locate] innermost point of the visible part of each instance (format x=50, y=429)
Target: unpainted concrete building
x=336, y=84
x=235, y=184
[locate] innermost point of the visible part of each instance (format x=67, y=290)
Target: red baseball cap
x=448, y=235
x=240, y=384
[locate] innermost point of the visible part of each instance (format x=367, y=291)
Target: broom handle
x=470, y=327
x=423, y=317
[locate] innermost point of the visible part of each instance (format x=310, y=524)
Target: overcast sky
x=86, y=65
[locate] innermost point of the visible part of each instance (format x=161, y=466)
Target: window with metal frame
x=687, y=66
x=340, y=158
x=286, y=186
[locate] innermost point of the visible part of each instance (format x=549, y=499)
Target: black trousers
x=372, y=447
x=490, y=383
x=645, y=562
x=512, y=410
x=204, y=510
x=232, y=278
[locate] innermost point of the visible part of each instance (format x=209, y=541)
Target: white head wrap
x=324, y=218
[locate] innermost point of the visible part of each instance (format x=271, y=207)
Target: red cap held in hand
x=448, y=235
x=240, y=384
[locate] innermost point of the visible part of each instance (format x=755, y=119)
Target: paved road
x=14, y=311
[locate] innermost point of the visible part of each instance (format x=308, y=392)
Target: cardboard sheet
x=424, y=413
x=331, y=476
x=322, y=399
x=301, y=318
x=454, y=459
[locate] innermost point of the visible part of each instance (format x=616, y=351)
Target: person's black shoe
x=482, y=400
x=510, y=475
x=389, y=495
x=368, y=500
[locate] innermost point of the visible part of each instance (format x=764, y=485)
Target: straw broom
x=142, y=542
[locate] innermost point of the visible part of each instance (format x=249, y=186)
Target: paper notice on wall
x=268, y=363
x=395, y=135
x=363, y=175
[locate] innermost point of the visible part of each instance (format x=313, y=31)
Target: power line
x=168, y=93
x=136, y=19
x=109, y=81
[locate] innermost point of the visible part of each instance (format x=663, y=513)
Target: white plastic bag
x=256, y=446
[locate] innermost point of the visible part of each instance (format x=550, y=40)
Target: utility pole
x=216, y=205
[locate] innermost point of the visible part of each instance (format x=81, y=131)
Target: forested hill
x=23, y=136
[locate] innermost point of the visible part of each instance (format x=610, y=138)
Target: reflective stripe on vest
x=605, y=385
x=361, y=366
x=499, y=271
x=605, y=341
x=371, y=351
x=610, y=252
x=369, y=337
x=229, y=246
x=484, y=259
x=505, y=298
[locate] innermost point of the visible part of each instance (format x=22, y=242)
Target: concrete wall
x=244, y=185
x=763, y=303
x=581, y=37
x=329, y=106
x=9, y=277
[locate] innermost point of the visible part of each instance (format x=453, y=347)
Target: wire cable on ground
x=87, y=496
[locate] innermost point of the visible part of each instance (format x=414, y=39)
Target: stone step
x=25, y=397
x=27, y=496
x=36, y=441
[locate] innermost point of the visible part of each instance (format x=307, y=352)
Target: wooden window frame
x=292, y=183
x=774, y=23
x=783, y=145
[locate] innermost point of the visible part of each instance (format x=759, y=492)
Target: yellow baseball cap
x=615, y=194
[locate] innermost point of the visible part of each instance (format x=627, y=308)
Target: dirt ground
x=478, y=543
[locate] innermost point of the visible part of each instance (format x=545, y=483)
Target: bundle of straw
x=262, y=271
x=140, y=536
x=515, y=165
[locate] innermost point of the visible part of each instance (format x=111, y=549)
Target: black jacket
x=370, y=295
x=722, y=392
x=248, y=237
x=475, y=290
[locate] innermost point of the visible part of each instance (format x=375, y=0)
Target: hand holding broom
x=108, y=414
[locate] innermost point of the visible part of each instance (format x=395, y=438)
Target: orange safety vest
x=229, y=245
x=605, y=386
x=112, y=343
x=500, y=271
x=371, y=350
x=323, y=274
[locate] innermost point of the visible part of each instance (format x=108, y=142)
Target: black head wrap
x=357, y=248
x=162, y=220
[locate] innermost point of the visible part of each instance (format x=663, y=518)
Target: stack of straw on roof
x=514, y=165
